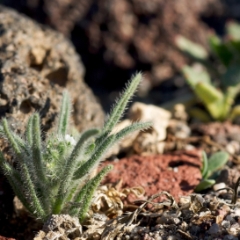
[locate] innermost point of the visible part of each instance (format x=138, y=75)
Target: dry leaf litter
x=210, y=216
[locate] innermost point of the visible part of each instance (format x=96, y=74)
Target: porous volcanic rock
x=36, y=65
x=177, y=173
x=126, y=35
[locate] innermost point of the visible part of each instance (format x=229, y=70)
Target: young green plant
x=215, y=76
x=56, y=175
x=210, y=168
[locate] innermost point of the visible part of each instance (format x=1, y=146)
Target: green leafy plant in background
x=56, y=175
x=210, y=168
x=215, y=79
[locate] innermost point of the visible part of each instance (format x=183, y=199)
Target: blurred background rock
x=116, y=38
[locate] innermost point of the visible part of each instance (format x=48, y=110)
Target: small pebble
x=234, y=229
x=233, y=147
x=214, y=229
x=157, y=237
x=230, y=237
x=218, y=186
x=230, y=219
x=175, y=169
x=236, y=212
x=176, y=221
x=162, y=220
x=195, y=229
x=172, y=237
x=225, y=224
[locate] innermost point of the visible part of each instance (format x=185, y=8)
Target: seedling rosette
x=210, y=168
x=55, y=176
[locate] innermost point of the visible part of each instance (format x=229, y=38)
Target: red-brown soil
x=178, y=173
x=5, y=238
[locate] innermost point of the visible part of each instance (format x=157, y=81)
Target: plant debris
x=194, y=217
x=109, y=199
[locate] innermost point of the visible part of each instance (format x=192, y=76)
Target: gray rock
x=230, y=237
x=60, y=227
x=214, y=229
x=36, y=65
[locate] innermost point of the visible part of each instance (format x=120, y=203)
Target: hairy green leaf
x=217, y=161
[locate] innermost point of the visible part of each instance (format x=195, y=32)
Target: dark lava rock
x=36, y=65
x=116, y=38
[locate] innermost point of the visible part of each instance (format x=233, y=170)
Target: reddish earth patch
x=5, y=238
x=178, y=173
